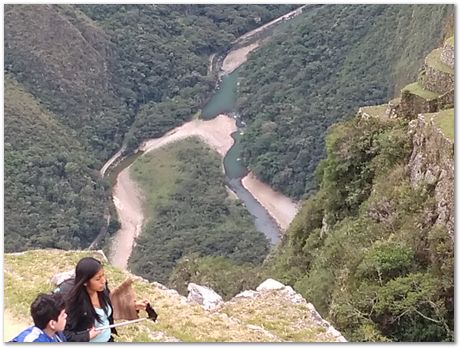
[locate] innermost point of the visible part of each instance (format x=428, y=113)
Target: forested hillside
x=52, y=194
x=77, y=76
x=331, y=61
x=190, y=212
x=163, y=56
x=65, y=61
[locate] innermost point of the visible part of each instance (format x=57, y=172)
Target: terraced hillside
x=434, y=88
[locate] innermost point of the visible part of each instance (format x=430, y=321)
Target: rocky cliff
x=432, y=163
x=432, y=157
x=429, y=104
x=271, y=313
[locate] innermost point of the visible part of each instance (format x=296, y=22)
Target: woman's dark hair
x=78, y=301
x=45, y=308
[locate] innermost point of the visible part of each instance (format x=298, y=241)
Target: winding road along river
x=217, y=134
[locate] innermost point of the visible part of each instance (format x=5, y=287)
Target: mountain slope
x=52, y=193
x=330, y=61
x=85, y=70
x=373, y=249
x=66, y=62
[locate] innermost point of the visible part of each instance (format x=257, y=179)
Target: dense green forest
x=163, y=56
x=333, y=60
x=377, y=266
x=52, y=198
x=77, y=77
x=190, y=212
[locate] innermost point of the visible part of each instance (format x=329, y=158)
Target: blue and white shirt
x=105, y=335
x=34, y=334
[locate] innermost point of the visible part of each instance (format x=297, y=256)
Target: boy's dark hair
x=46, y=307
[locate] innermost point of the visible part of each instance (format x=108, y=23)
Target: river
x=220, y=129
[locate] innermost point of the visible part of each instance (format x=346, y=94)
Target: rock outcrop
x=277, y=295
x=432, y=163
x=448, y=53
x=204, y=296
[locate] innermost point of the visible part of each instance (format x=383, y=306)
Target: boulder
x=204, y=296
x=58, y=278
x=270, y=284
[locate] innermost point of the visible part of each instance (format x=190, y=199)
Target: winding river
x=220, y=128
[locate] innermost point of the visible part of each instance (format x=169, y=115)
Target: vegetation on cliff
x=365, y=249
x=320, y=70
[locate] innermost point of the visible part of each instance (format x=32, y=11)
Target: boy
x=48, y=313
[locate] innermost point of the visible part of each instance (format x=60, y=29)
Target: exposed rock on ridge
x=432, y=163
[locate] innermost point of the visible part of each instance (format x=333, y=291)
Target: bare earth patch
x=127, y=200
x=237, y=57
x=282, y=208
x=12, y=325
x=216, y=133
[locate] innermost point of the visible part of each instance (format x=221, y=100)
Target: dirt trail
x=111, y=160
x=280, y=207
x=286, y=16
x=13, y=325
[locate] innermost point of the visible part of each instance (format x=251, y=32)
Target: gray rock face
x=204, y=296
x=432, y=163
x=438, y=81
x=448, y=55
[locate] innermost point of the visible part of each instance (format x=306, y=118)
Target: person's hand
x=141, y=304
x=93, y=332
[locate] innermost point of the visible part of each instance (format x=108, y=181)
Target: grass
x=157, y=173
x=445, y=120
x=417, y=89
x=375, y=110
x=434, y=60
x=395, y=101
x=278, y=315
x=26, y=274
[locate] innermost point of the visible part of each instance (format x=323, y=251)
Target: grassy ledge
x=445, y=120
x=417, y=89
x=434, y=60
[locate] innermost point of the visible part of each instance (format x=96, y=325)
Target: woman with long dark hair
x=88, y=304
